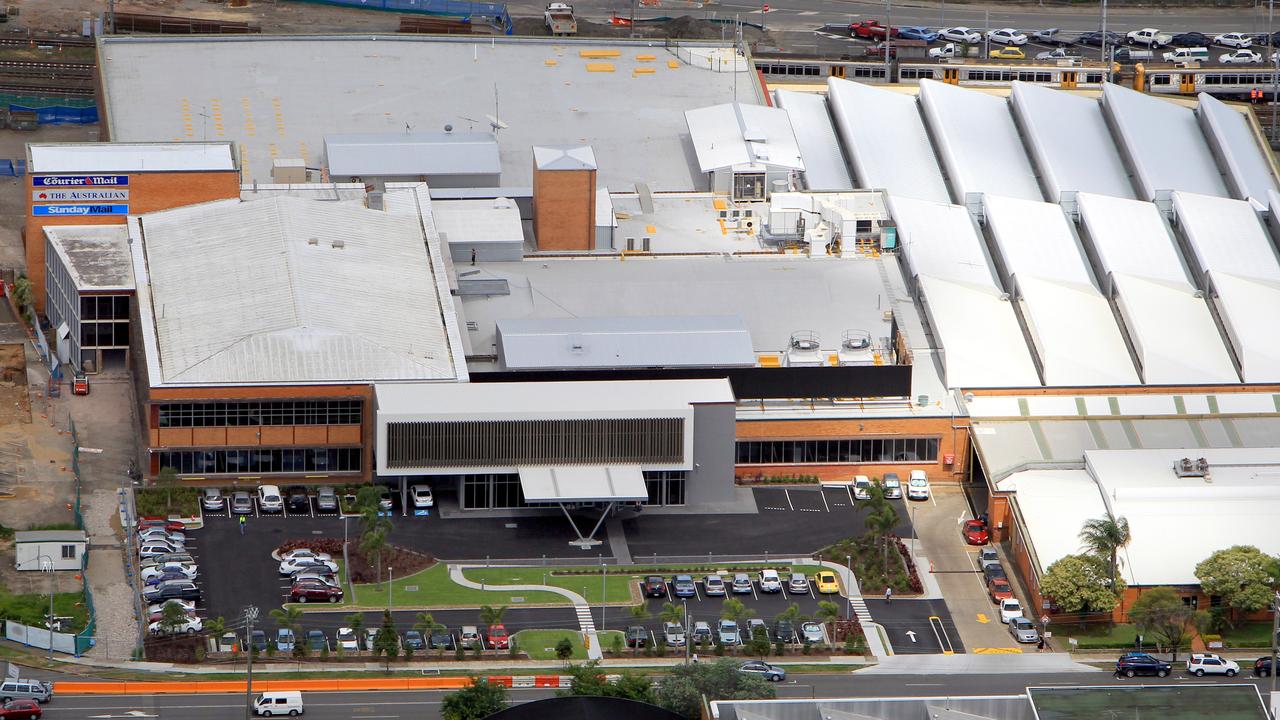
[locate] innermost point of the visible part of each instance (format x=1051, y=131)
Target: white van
x=285, y=702
x=1187, y=54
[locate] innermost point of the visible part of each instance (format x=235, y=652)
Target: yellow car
x=827, y=583
x=1007, y=53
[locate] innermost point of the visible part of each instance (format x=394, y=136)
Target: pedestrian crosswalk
x=860, y=610
x=585, y=621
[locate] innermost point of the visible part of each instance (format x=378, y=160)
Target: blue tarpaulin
x=60, y=114
x=492, y=13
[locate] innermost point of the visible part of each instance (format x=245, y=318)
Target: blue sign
x=86, y=181
x=74, y=210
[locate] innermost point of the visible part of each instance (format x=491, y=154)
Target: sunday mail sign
x=78, y=210
x=80, y=181
x=46, y=196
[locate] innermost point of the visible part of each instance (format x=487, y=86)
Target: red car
x=159, y=522
x=312, y=591
x=23, y=709
x=999, y=589
x=498, y=636
x=870, y=29
x=975, y=532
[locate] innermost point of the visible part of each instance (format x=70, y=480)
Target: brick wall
x=564, y=209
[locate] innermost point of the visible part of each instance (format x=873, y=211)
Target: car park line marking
x=695, y=591
x=753, y=591
x=940, y=632
x=824, y=500
x=787, y=492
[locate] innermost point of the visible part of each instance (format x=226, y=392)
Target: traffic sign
x=766, y=7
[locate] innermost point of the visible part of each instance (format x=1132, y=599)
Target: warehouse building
x=89, y=283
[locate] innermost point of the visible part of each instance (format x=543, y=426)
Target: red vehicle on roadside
x=23, y=709
x=869, y=30
x=151, y=521
x=314, y=591
x=498, y=636
x=975, y=532
x=999, y=589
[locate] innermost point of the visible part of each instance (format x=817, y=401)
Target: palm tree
x=671, y=613
x=215, y=626
x=426, y=624
x=355, y=621
x=881, y=523
x=1105, y=537
x=492, y=615
x=373, y=536
x=289, y=618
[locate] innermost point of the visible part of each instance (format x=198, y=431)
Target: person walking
x=888, y=594
x=1040, y=644
x=243, y=521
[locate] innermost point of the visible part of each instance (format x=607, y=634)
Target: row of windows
x=1251, y=79
x=789, y=69
x=503, y=491
x=915, y=73
x=104, y=307
x=1009, y=75
x=862, y=71
x=262, y=461
x=267, y=412
x=104, y=334
x=849, y=450
x=534, y=442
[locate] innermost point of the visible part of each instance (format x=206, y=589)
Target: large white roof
x=824, y=165
x=886, y=140
x=1068, y=139
x=1237, y=505
x=1248, y=172
x=1231, y=246
x=1169, y=324
x=941, y=240
x=978, y=142
x=119, y=157
x=732, y=134
x=286, y=290
x=1071, y=323
x=1147, y=128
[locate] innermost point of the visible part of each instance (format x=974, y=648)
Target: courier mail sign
x=80, y=181
x=84, y=195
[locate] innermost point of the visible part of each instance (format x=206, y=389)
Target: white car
x=861, y=487
x=1007, y=36
x=269, y=500
x=422, y=497
x=156, y=549
x=188, y=571
x=1010, y=609
x=371, y=636
x=162, y=535
x=770, y=582
x=918, y=486
x=188, y=606
x=347, y=639
x=304, y=553
x=1240, y=57
x=191, y=624
x=962, y=35
x=1235, y=40
x=946, y=51
x=289, y=567
x=1201, y=664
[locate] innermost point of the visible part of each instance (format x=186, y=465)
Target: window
x=68, y=552
x=837, y=451
x=915, y=73
x=286, y=412
x=515, y=442
x=1164, y=80
x=263, y=460
x=666, y=487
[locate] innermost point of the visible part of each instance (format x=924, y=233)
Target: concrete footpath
x=581, y=608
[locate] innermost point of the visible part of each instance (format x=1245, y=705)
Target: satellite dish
x=448, y=128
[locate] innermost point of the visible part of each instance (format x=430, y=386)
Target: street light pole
x=848, y=606
x=604, y=576
x=1275, y=63
x=389, y=581
x=250, y=615
x=1104, y=31
x=1275, y=629
x=888, y=38
x=53, y=576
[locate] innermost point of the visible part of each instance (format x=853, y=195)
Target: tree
x=492, y=615
x=588, y=679
x=564, y=648
x=368, y=496
x=640, y=611
x=172, y=616
x=672, y=613
x=1240, y=575
x=1079, y=583
x=214, y=627
x=355, y=621
x=682, y=692
x=427, y=625
x=373, y=536
x=167, y=478
x=476, y=701
x=733, y=609
x=1161, y=613
x=828, y=611
x=1105, y=537
x=386, y=642
x=290, y=618
x=880, y=524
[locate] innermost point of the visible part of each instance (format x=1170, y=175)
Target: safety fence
x=494, y=14
x=85, y=638
x=336, y=685
x=39, y=637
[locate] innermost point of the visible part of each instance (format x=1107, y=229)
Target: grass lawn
x=1248, y=635
x=31, y=609
x=541, y=644
x=433, y=588
x=1097, y=635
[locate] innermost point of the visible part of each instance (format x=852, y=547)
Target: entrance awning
x=583, y=483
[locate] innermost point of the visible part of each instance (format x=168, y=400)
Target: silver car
x=326, y=499
x=741, y=584
x=212, y=499
x=811, y=632
x=892, y=485
x=1023, y=631
x=728, y=632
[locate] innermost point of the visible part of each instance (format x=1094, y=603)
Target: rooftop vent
x=1188, y=468
x=339, y=244
x=313, y=241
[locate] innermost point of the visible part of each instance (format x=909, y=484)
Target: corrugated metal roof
x=399, y=154
x=28, y=536
x=583, y=483
x=1247, y=169
x=478, y=221
x=1068, y=139
x=619, y=342
x=119, y=157
x=735, y=134
x=1146, y=128
x=286, y=290
x=824, y=165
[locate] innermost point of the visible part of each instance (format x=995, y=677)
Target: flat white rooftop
x=518, y=401
x=824, y=164
x=130, y=157
x=279, y=97
x=735, y=134
x=96, y=256
x=1146, y=127
x=1068, y=139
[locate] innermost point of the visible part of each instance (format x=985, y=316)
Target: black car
x=1190, y=39
x=173, y=590
x=296, y=499
x=441, y=639
x=1095, y=39
x=637, y=637
x=784, y=632
x=1261, y=40
x=1262, y=666
x=655, y=586
x=258, y=641
x=992, y=571
x=1131, y=664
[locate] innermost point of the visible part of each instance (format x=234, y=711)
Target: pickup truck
x=946, y=51
x=870, y=29
x=903, y=48
x=1058, y=54
x=1150, y=37
x=560, y=20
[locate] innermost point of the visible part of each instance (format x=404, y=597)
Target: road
x=425, y=705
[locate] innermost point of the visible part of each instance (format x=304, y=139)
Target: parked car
x=673, y=634
x=269, y=500
x=892, y=486
x=1006, y=36
x=756, y=628
x=1051, y=36
x=1190, y=39
x=156, y=610
x=285, y=640
x=871, y=30
x=322, y=575
x=811, y=632
x=987, y=556
x=701, y=633
x=918, y=485
x=1233, y=40
x=412, y=641
x=326, y=499
x=1240, y=57
x=347, y=639
x=498, y=637
x=21, y=710
x=187, y=571
x=190, y=625
x=827, y=582
x=713, y=586
x=384, y=499
x=1264, y=40
x=241, y=503
x=312, y=591
x=862, y=483
x=1023, y=631
x=297, y=499
x=470, y=638
x=1010, y=608
x=305, y=554
x=371, y=636
x=999, y=589
x=1130, y=664
x=1008, y=52
x=1201, y=664
x=918, y=32
x=1150, y=37
x=961, y=35
x=770, y=582
x=305, y=564
x=1095, y=39
x=179, y=558
x=422, y=497
x=655, y=586
x=172, y=590
x=741, y=584
x=637, y=637
x=772, y=673
x=441, y=639
x=1262, y=666
x=156, y=549
x=175, y=539
x=992, y=571
x=23, y=689
x=1131, y=55
x=212, y=499
x=147, y=521
x=1058, y=54
x=170, y=576
x=975, y=532
x=682, y=586
x=728, y=633
x=784, y=632
x=798, y=584
x=316, y=641
x=258, y=640
x=1185, y=55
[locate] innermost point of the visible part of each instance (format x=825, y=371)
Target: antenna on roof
x=494, y=121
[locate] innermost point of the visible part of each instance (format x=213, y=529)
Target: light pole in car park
x=1275, y=634
x=250, y=616
x=848, y=607
x=389, y=571
x=604, y=575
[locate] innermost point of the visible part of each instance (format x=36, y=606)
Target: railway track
x=36, y=40
x=13, y=66
x=45, y=90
